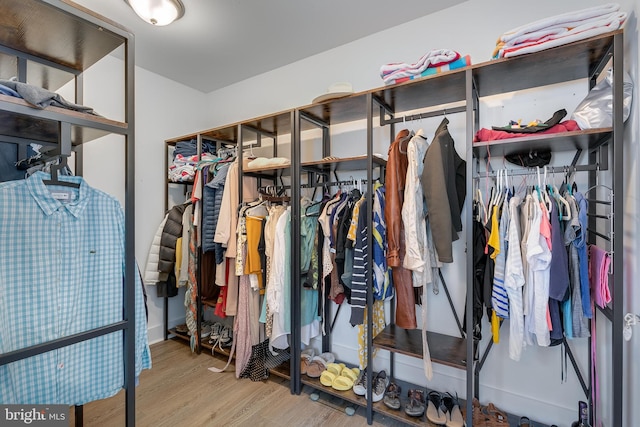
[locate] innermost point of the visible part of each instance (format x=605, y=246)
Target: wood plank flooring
x=180, y=391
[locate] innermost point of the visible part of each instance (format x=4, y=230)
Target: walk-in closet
x=422, y=220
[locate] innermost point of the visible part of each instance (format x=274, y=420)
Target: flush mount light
x=157, y=12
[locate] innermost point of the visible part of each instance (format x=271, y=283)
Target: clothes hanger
x=561, y=201
x=597, y=183
x=55, y=170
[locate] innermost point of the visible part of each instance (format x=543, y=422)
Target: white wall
x=163, y=109
x=166, y=109
x=531, y=386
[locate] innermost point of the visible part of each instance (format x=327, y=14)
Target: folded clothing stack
x=183, y=168
x=261, y=162
x=559, y=30
x=432, y=62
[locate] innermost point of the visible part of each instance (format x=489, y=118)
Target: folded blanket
x=563, y=20
x=261, y=162
x=462, y=62
x=559, y=30
x=432, y=58
x=493, y=135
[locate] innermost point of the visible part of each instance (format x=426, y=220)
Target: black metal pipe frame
x=472, y=117
x=453, y=308
x=369, y=274
x=618, y=230
x=130, y=261
x=127, y=325
x=296, y=283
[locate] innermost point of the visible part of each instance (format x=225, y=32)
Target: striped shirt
x=62, y=266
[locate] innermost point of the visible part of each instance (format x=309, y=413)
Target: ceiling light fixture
x=157, y=12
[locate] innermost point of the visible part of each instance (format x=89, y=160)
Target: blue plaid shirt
x=61, y=270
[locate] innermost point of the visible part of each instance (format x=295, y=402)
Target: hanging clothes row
x=532, y=264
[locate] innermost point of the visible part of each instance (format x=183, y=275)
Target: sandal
x=479, y=419
x=342, y=383
x=454, y=415
x=326, y=378
x=524, y=422
x=392, y=396
x=319, y=364
x=495, y=417
x=305, y=358
x=415, y=407
x=436, y=411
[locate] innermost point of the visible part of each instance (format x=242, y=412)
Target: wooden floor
x=180, y=391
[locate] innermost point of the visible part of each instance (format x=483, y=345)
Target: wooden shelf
x=445, y=349
x=19, y=119
x=275, y=124
x=45, y=32
x=566, y=141
x=561, y=64
x=343, y=164
x=208, y=303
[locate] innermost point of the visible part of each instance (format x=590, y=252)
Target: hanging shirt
x=62, y=262
x=514, y=281
x=539, y=257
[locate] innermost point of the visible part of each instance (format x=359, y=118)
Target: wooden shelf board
x=277, y=123
x=445, y=349
x=44, y=31
x=19, y=119
x=282, y=371
x=439, y=89
x=344, y=164
x=208, y=303
x=567, y=141
x=560, y=64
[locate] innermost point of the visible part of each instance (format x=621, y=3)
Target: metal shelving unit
x=50, y=43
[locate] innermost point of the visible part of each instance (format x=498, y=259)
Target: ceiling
x=221, y=42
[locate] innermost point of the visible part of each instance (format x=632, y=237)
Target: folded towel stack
x=433, y=62
x=559, y=30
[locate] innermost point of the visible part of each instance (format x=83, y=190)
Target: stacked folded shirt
x=559, y=30
x=183, y=168
x=433, y=62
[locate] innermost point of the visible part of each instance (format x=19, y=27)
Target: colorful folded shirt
x=433, y=58
x=462, y=62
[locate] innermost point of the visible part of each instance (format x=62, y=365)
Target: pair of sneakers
x=221, y=335
x=379, y=386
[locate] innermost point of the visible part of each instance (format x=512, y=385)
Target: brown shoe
x=495, y=417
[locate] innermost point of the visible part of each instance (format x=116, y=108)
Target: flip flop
x=392, y=396
x=415, y=407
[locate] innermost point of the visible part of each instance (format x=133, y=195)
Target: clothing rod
x=532, y=171
x=411, y=117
